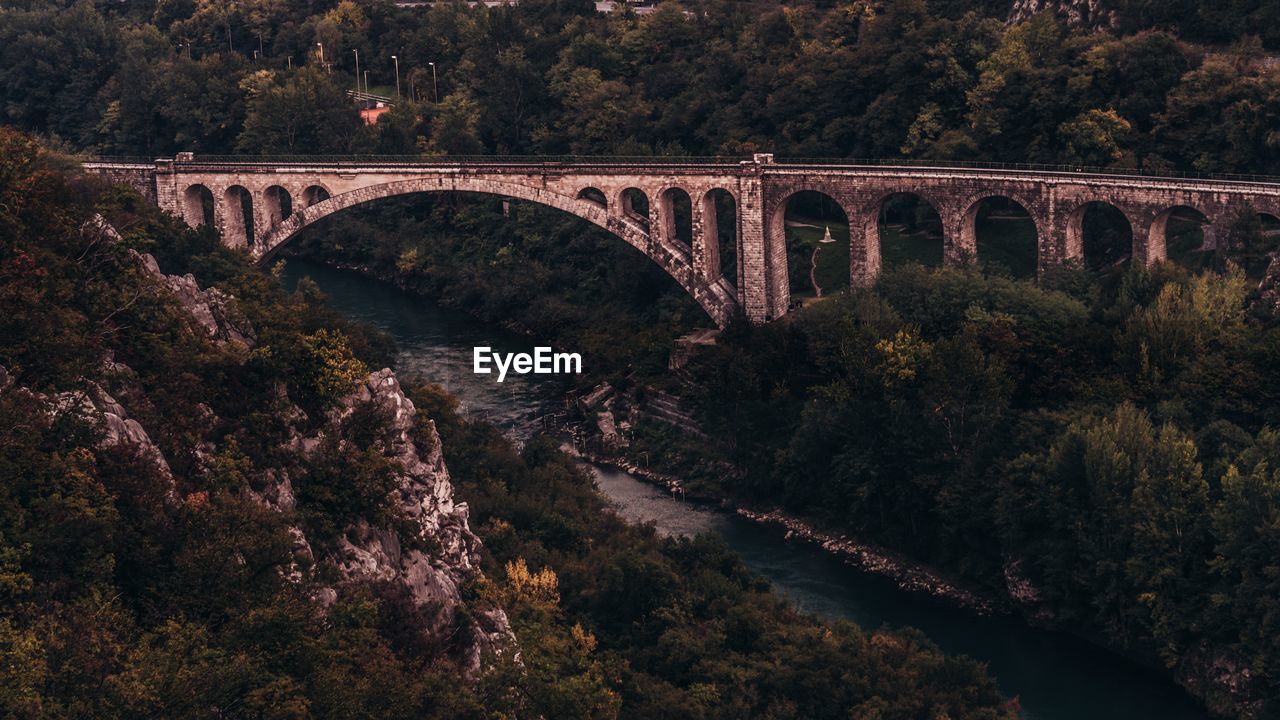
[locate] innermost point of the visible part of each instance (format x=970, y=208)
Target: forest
x=1102, y=439
x=1183, y=85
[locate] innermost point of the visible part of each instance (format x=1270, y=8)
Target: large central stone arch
x=717, y=297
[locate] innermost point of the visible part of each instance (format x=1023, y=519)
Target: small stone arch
x=1177, y=232
x=278, y=202
x=786, y=271
x=594, y=195
x=914, y=212
x=198, y=206
x=718, y=213
x=1101, y=233
x=635, y=205
x=314, y=195
x=716, y=298
x=675, y=211
x=1006, y=249
x=237, y=216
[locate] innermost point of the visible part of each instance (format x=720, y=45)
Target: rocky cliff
x=424, y=498
x=1079, y=13
x=425, y=556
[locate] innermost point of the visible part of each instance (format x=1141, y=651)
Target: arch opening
x=1251, y=241
x=909, y=230
x=1182, y=230
x=314, y=195
x=595, y=196
x=677, y=218
x=816, y=229
x=1103, y=235
x=197, y=206
x=720, y=232
x=635, y=205
x=279, y=204
x=717, y=298
x=1003, y=235
x=237, y=225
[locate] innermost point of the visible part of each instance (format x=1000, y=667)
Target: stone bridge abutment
x=667, y=208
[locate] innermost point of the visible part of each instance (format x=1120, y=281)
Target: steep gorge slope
x=208, y=504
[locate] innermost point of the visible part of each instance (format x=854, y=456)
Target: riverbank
x=906, y=575
x=1213, y=676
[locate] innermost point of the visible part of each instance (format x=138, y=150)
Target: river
x=1056, y=677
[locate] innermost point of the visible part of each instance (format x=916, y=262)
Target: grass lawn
x=898, y=248
x=384, y=90
x=833, y=260
x=1006, y=243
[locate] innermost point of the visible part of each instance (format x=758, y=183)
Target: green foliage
x=670, y=628
x=1112, y=442
x=944, y=79
x=334, y=370
x=298, y=114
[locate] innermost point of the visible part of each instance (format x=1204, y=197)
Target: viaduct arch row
x=260, y=204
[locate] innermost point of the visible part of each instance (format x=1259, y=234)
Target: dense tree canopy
x=940, y=80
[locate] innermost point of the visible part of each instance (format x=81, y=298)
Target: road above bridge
x=261, y=203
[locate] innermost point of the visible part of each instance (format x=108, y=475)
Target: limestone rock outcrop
x=427, y=555
x=213, y=311
x=1078, y=13
x=95, y=406
x=424, y=498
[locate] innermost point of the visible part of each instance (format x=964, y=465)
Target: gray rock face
x=211, y=309
x=1078, y=13
x=1024, y=593
x=429, y=555
x=96, y=406
x=1222, y=679
x=425, y=499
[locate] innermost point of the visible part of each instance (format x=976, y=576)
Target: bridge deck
x=680, y=165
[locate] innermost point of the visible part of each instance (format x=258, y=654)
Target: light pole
x=397, y=61
x=366, y=82
x=435, y=89
x=357, y=52
x=321, y=46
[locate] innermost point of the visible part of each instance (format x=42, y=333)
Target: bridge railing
x=118, y=159
x=1027, y=167
x=469, y=159
x=554, y=161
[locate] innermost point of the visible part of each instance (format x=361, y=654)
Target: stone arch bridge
x=260, y=203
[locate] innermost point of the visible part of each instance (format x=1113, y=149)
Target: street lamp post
x=366, y=82
x=357, y=52
x=397, y=62
x=435, y=89
x=321, y=46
